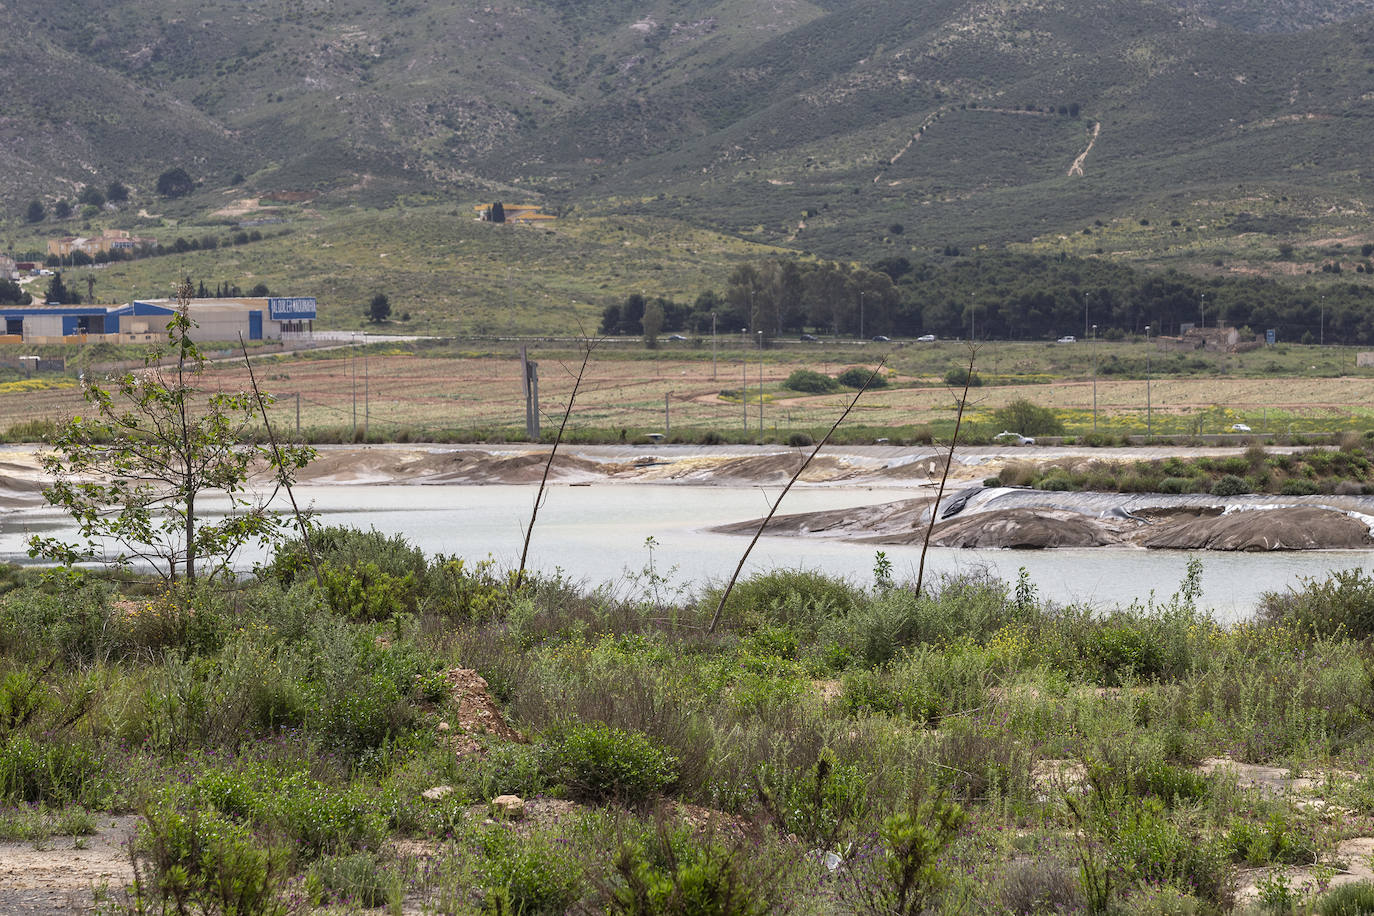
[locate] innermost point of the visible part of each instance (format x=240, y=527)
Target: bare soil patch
x=59, y=875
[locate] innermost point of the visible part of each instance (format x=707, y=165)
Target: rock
x=437, y=793
x=443, y=727
x=508, y=807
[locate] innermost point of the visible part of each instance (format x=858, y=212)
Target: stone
x=443, y=727
x=509, y=807
x=437, y=793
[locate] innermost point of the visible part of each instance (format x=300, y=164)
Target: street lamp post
x=861, y=314
x=760, y=337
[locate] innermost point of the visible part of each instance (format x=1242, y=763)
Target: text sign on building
x=291, y=309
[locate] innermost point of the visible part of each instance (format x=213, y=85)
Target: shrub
x=203, y=861
x=675, y=874
x=1276, y=841
x=54, y=773
x=1230, y=485
x=357, y=879
x=1176, y=485
x=1340, y=605
x=800, y=440
x=528, y=876
x=1299, y=486
x=799, y=598
x=812, y=382
x=1021, y=416
x=1347, y=900
x=956, y=376
x=856, y=376
x=600, y=763
x=1117, y=653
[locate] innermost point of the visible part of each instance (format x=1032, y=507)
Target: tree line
x=1002, y=296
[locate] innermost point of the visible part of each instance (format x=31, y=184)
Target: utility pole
x=529, y=383
x=354, y=361
x=298, y=414
x=1094, y=345
x=1149, y=423
x=713, y=345
x=861, y=314
x=367, y=399
x=667, y=421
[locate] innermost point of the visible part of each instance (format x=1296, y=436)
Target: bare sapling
x=729, y=587
x=944, y=475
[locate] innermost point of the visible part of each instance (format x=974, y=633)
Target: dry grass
x=453, y=394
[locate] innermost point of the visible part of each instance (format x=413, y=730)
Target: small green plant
x=600, y=763
x=882, y=571
x=905, y=877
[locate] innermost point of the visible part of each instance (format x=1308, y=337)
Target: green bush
x=1347, y=900
x=676, y=874
x=1028, y=419
x=356, y=879
x=811, y=382
x=55, y=772
x=799, y=598
x=1340, y=605
x=956, y=376
x=201, y=861
x=1230, y=485
x=599, y=763
x=1299, y=486
x=1176, y=485
x=528, y=876
x=1276, y=841
x=856, y=376
x=1119, y=653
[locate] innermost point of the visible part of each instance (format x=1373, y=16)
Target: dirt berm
x=1152, y=521
x=1300, y=528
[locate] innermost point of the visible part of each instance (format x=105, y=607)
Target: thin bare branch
x=282, y=480
x=729, y=587
x=944, y=476
x=543, y=481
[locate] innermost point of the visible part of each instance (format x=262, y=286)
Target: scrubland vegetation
x=832, y=748
x=1343, y=471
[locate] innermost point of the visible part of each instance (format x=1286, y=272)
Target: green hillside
x=845, y=128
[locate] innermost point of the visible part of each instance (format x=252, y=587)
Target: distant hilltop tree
x=116, y=192
x=379, y=309
x=498, y=213
x=175, y=182
x=61, y=209
x=35, y=212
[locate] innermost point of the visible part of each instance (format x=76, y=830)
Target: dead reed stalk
x=715, y=618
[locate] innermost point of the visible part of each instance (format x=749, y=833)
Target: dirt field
x=410, y=396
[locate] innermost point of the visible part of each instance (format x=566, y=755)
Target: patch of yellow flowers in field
x=36, y=384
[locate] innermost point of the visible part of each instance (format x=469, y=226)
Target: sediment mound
x=1300, y=528
x=1027, y=529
